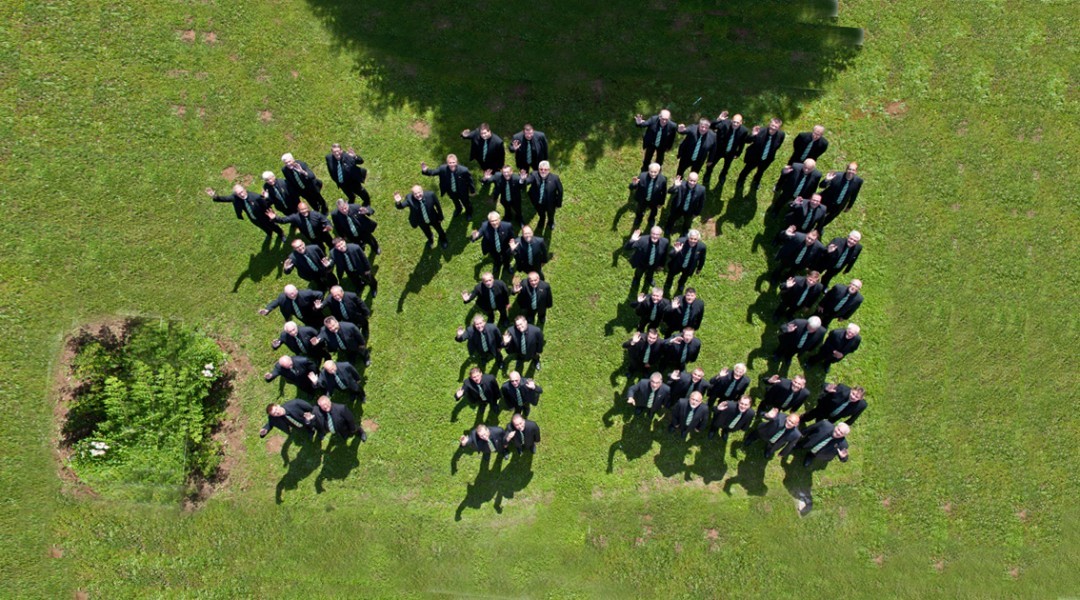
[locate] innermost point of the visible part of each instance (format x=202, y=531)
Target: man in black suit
x=485, y=147
x=530, y=252
x=650, y=190
x=296, y=370
x=485, y=440
x=682, y=383
x=797, y=251
x=799, y=180
x=311, y=265
x=731, y=416
x=809, y=145
x=333, y=418
x=255, y=207
x=785, y=394
x=805, y=214
x=507, y=190
x=686, y=311
x=345, y=170
x=644, y=353
x=545, y=193
x=349, y=259
x=761, y=151
x=688, y=414
x=686, y=258
x=838, y=194
x=687, y=200
x=491, y=296
x=296, y=304
x=650, y=309
x=355, y=224
x=455, y=181
x=480, y=389
x=341, y=376
x=297, y=339
x=347, y=307
x=799, y=336
x=650, y=395
x=779, y=431
x=529, y=147
x=294, y=415
x=837, y=402
x=277, y=194
x=841, y=302
x=838, y=344
x=520, y=395
x=730, y=141
x=698, y=145
x=648, y=255
x=839, y=256
x=425, y=212
x=729, y=384
x=313, y=226
x=658, y=138
x=825, y=441
x=484, y=340
x=495, y=236
x=524, y=341
x=797, y=293
x=303, y=182
x=522, y=434
x=345, y=338
x=534, y=298
x=682, y=349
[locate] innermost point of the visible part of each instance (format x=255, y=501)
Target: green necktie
x=843, y=192
x=528, y=151
x=731, y=425
x=731, y=141
x=648, y=351
x=528, y=252
x=250, y=211
x=296, y=308
x=498, y=243
x=491, y=445
x=453, y=182
x=809, y=215
x=689, y=415
x=777, y=435
x=348, y=261
x=652, y=253
x=300, y=342
x=837, y=410
x=483, y=155
x=731, y=387
x=648, y=190
x=841, y=303
x=330, y=422
x=340, y=174
x=802, y=182
x=480, y=391
x=697, y=148
x=532, y=299
x=685, y=349
x=309, y=228
x=659, y=135
x=802, y=340
x=340, y=384
x=802, y=253
x=423, y=212
x=541, y=201
x=491, y=297
x=483, y=341
x=686, y=315
x=686, y=199
x=293, y=421
x=768, y=144
x=803, y=295
x=344, y=313
x=817, y=448
x=652, y=313
x=806, y=152
x=843, y=257
x=520, y=400
x=652, y=396
x=787, y=400
x=311, y=263
x=299, y=182
x=522, y=343
x=686, y=257
x=340, y=342
x=352, y=225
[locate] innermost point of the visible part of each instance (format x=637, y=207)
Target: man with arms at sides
x=761, y=151
x=644, y=352
x=255, y=207
x=530, y=252
x=350, y=260
x=731, y=416
x=294, y=415
x=689, y=414
x=534, y=298
x=524, y=341
x=507, y=190
x=529, y=147
x=480, y=390
x=650, y=191
x=545, y=193
x=495, y=236
x=522, y=434
x=836, y=403
x=785, y=394
x=485, y=147
x=344, y=168
x=302, y=181
x=825, y=441
x=455, y=181
x=687, y=257
x=491, y=296
x=647, y=255
x=798, y=293
x=341, y=376
x=297, y=304
x=313, y=226
x=698, y=145
x=483, y=340
x=296, y=370
x=838, y=344
x=311, y=265
x=520, y=394
x=333, y=418
x=658, y=138
x=425, y=212
x=779, y=431
x=650, y=395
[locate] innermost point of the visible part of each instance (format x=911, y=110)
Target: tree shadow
x=339, y=460
x=260, y=265
x=306, y=461
x=579, y=71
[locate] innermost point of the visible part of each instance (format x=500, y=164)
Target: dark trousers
x=649, y=152
x=500, y=263
x=504, y=318
x=437, y=226
x=639, y=213
x=647, y=273
x=761, y=167
x=723, y=170
x=359, y=280
x=693, y=165
x=325, y=281
x=314, y=198
x=536, y=317
x=675, y=215
x=546, y=212
x=461, y=202
x=269, y=228
x=827, y=276
x=683, y=276
x=352, y=189
x=512, y=210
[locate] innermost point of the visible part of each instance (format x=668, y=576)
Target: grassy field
x=962, y=116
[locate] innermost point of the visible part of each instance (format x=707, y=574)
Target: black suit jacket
x=727, y=416
x=839, y=258
x=472, y=337
x=356, y=219
x=837, y=341
x=349, y=376
x=292, y=419
x=416, y=215
x=310, y=227
x=831, y=195
x=302, y=345
x=786, y=443
x=837, y=405
x=684, y=386
x=539, y=254
x=482, y=295
x=350, y=308
x=641, y=251
x=789, y=182
x=720, y=384
x=686, y=199
x=553, y=191
x=308, y=270
x=652, y=127
x=343, y=420
x=636, y=352
x=641, y=189
x=757, y=146
x=780, y=395
x=525, y=439
x=496, y=153
x=839, y=293
x=506, y=191
x=510, y=394
x=534, y=342
x=254, y=206
x=726, y=133
x=496, y=435
x=682, y=409
x=674, y=350
x=488, y=386
x=351, y=171
x=489, y=234
x=298, y=374
x=542, y=292
x=804, y=215
x=350, y=334
x=806, y=140
x=789, y=340
x=461, y=176
x=539, y=149
x=791, y=251
x=281, y=196
x=640, y=393
x=310, y=181
x=680, y=262
x=819, y=432
x=305, y=301
x=794, y=296
x=676, y=317
x=357, y=259
x=644, y=309
x=690, y=140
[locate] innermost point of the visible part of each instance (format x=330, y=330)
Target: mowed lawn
x=962, y=116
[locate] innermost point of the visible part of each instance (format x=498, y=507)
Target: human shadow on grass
x=306, y=461
x=625, y=317
x=738, y=211
x=799, y=480
x=750, y=472
x=431, y=259
x=339, y=460
x=260, y=265
x=579, y=71
x=639, y=433
x=629, y=206
x=710, y=463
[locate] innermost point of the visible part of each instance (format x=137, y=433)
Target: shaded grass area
x=961, y=116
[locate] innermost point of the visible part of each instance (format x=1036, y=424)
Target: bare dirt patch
x=266, y=116
x=421, y=128
x=1014, y=572
x=295, y=74
x=369, y=425
x=175, y=73
x=262, y=76
x=209, y=37
x=734, y=272
x=82, y=595
x=879, y=559
x=229, y=173
x=202, y=75
x=939, y=565
x=896, y=109
x=274, y=444
x=247, y=180
x=56, y=552
x=187, y=35
x=594, y=299
x=179, y=110
x=712, y=534
x=200, y=111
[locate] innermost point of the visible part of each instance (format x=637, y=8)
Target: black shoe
x=444, y=245
x=378, y=251
x=768, y=455
x=538, y=365
x=431, y=243
x=807, y=461
x=363, y=435
x=711, y=435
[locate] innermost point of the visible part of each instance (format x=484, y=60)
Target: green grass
x=961, y=115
